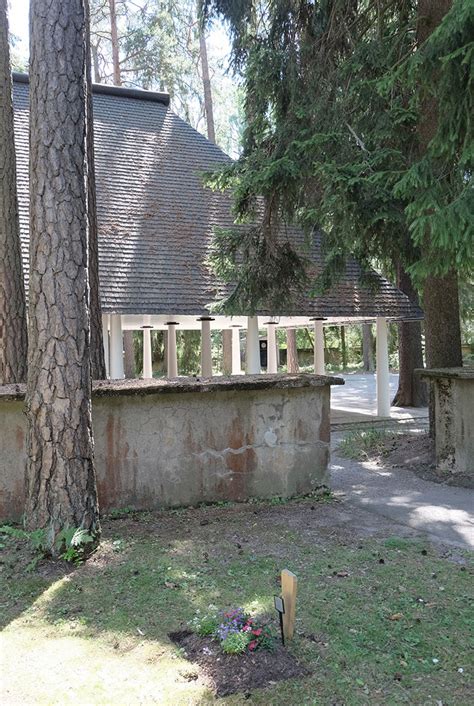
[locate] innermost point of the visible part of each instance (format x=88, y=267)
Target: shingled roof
x=156, y=219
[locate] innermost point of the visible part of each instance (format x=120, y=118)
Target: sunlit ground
x=98, y=634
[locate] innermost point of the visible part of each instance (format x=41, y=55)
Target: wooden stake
x=289, y=584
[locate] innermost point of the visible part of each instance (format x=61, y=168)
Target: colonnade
x=113, y=349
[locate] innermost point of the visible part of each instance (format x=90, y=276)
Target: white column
x=319, y=367
x=382, y=371
x=236, y=367
x=116, y=347
x=271, y=348
x=105, y=339
x=252, y=366
x=147, y=364
x=172, y=362
x=206, y=349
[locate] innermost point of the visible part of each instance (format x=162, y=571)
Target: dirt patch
x=416, y=453
x=232, y=674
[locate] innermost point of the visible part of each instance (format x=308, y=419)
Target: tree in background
x=60, y=479
x=367, y=348
x=358, y=124
x=292, y=364
x=206, y=84
x=13, y=334
x=162, y=46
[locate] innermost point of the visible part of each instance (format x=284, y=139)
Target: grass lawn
x=391, y=628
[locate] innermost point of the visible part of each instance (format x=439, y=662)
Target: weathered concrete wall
x=454, y=418
x=170, y=444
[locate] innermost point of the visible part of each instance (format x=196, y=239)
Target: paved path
x=356, y=402
x=443, y=513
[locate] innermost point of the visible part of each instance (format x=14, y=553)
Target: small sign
x=280, y=607
x=279, y=604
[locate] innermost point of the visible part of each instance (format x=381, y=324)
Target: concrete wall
x=454, y=418
x=170, y=444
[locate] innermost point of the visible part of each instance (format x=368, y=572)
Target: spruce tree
x=336, y=96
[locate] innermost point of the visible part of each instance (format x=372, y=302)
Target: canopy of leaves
x=334, y=96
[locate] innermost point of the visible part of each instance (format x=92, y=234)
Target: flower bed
x=235, y=630
x=236, y=652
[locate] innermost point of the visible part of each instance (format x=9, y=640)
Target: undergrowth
x=361, y=444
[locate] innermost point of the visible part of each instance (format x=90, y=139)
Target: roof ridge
x=120, y=91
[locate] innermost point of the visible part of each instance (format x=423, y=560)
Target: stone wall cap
x=103, y=388
x=466, y=373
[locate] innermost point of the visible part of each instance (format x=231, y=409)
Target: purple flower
x=232, y=622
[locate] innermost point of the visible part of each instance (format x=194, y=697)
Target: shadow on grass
x=149, y=578
x=24, y=577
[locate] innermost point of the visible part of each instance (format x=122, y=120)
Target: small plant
x=36, y=539
x=205, y=625
x=260, y=636
x=72, y=542
x=235, y=643
x=232, y=621
x=359, y=445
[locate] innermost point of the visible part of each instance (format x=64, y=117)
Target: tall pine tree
x=61, y=483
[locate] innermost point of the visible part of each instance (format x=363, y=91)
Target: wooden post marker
x=289, y=584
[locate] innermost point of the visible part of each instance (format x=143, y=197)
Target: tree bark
x=128, y=355
x=61, y=487
x=97, y=343
x=412, y=392
x=95, y=63
x=368, y=348
x=115, y=45
x=206, y=82
x=442, y=322
x=440, y=294
x=13, y=332
x=226, y=352
x=292, y=364
x=343, y=348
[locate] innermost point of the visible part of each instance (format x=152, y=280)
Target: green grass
x=99, y=634
x=361, y=444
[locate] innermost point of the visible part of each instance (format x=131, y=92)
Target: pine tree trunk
x=292, y=364
x=206, y=81
x=412, y=392
x=115, y=45
x=60, y=480
x=368, y=348
x=226, y=352
x=13, y=334
x=97, y=343
x=128, y=355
